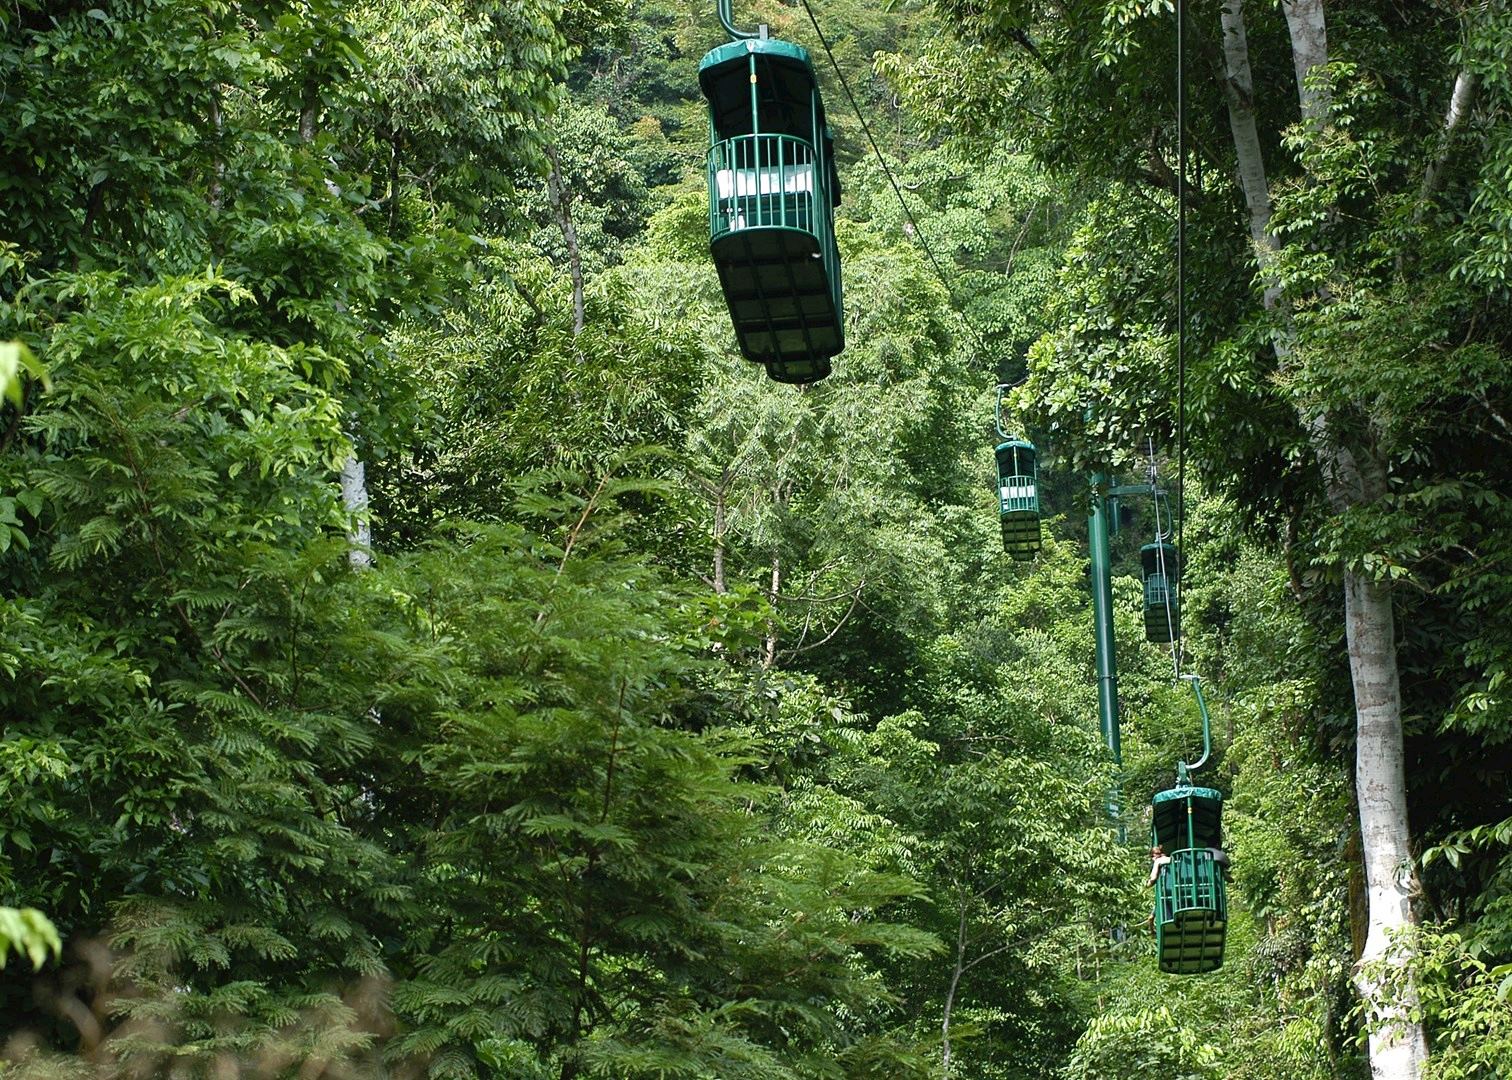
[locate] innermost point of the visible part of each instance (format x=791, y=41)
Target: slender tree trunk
x=1461, y=98
x=769, y=651
x=1309, y=40
x=1239, y=87
x=1398, y=1044
x=950, y=992
x=393, y=179
x=218, y=170
x=354, y=497
x=721, y=528
x=561, y=202
x=307, y=108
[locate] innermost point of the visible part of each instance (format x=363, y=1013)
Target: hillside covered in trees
x=429, y=649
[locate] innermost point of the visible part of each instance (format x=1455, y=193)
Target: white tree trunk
x=354, y=497
x=1460, y=100
x=1239, y=85
x=769, y=647
x=1398, y=1045
x=721, y=528
x=1309, y=41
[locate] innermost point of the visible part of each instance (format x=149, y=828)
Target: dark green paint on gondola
x=1018, y=498
x=1191, y=893
x=1191, y=899
x=1161, y=566
x=1017, y=485
x=772, y=193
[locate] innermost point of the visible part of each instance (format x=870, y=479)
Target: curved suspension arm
x=997, y=410
x=727, y=20
x=1164, y=532
x=1183, y=770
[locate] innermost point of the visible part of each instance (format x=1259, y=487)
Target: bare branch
x=990, y=954
x=855, y=600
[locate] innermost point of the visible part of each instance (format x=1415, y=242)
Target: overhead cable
x=918, y=233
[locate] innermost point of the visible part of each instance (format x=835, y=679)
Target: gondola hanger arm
x=998, y=410
x=727, y=20
x=1184, y=770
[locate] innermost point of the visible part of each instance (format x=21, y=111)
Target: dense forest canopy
x=428, y=648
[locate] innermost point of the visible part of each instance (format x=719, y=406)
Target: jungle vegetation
x=427, y=649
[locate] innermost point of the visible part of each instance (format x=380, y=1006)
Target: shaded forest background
x=677, y=723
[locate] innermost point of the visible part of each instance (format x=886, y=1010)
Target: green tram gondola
x=1191, y=904
x=772, y=193
x=1017, y=486
x=1191, y=897
x=1018, y=498
x=1161, y=566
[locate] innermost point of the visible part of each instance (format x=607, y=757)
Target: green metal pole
x=755, y=103
x=1102, y=623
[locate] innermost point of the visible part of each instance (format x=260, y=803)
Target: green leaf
x=15, y=360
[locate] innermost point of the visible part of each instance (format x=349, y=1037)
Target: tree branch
x=1461, y=99
x=855, y=599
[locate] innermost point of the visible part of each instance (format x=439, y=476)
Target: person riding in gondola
x=1158, y=860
